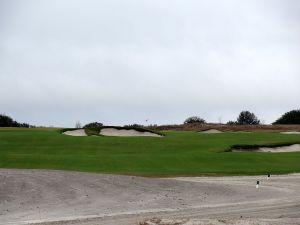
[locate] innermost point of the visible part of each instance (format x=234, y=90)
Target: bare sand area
x=126, y=132
x=57, y=197
x=78, y=132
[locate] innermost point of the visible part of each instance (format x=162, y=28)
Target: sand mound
x=290, y=132
x=79, y=132
x=126, y=133
x=211, y=131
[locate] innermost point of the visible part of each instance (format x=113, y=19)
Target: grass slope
x=178, y=153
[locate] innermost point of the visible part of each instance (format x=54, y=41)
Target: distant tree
x=78, y=124
x=24, y=125
x=220, y=119
x=93, y=125
x=6, y=121
x=247, y=118
x=194, y=119
x=291, y=117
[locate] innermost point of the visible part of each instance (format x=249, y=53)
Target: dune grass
x=176, y=154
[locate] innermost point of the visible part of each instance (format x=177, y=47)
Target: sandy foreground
x=57, y=197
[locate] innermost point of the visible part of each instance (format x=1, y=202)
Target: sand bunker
x=290, y=132
x=211, y=131
x=290, y=148
x=114, y=132
x=79, y=132
x=126, y=133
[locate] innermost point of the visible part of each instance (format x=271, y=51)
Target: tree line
x=244, y=118
x=249, y=118
x=6, y=121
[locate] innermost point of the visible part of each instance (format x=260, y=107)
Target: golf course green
x=175, y=154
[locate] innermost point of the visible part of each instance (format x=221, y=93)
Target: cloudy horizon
x=123, y=62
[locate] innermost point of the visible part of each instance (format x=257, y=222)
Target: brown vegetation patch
x=229, y=128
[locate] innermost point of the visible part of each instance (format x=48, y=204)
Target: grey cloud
x=121, y=62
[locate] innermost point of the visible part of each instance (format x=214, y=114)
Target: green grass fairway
x=178, y=153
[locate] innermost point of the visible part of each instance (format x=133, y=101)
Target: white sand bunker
x=290, y=132
x=126, y=133
x=211, y=131
x=79, y=132
x=290, y=148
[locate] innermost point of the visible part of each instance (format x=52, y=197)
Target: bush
x=194, y=119
x=93, y=125
x=291, y=117
x=230, y=122
x=133, y=126
x=247, y=118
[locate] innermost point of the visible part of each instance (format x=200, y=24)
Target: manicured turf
x=178, y=153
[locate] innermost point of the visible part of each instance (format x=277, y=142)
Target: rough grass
x=177, y=154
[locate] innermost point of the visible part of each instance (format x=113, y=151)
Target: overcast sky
x=125, y=61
